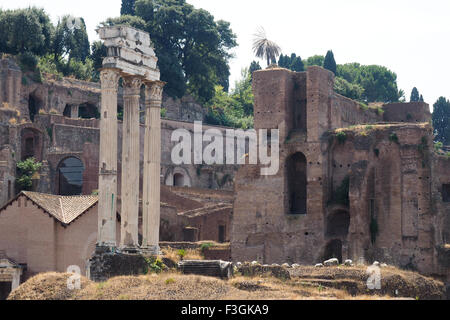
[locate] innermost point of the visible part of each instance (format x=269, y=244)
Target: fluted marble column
x=152, y=167
x=130, y=164
x=107, y=181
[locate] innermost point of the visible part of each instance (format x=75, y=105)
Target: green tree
x=379, y=83
x=98, y=53
x=71, y=39
x=415, y=97
x=265, y=48
x=193, y=49
x=127, y=7
x=347, y=89
x=25, y=171
x=297, y=65
x=234, y=109
x=316, y=60
x=254, y=66
x=25, y=30
x=329, y=63
x=441, y=120
x=421, y=98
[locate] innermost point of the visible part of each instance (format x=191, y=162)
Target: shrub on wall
x=25, y=172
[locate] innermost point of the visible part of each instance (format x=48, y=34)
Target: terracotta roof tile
x=65, y=209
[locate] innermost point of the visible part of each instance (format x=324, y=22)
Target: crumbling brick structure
x=354, y=182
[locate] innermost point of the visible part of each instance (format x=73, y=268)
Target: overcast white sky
x=411, y=37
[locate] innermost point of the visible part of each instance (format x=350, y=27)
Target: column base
x=105, y=248
x=131, y=250
x=151, y=250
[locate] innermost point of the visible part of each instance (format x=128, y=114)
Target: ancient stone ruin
x=355, y=182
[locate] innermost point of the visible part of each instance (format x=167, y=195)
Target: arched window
x=70, y=173
x=178, y=180
x=297, y=183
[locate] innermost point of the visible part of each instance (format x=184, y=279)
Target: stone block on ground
x=213, y=268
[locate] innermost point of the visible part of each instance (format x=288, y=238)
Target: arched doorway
x=178, y=180
x=70, y=173
x=297, y=183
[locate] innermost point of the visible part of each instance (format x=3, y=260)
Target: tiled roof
x=65, y=209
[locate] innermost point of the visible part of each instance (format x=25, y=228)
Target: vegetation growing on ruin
x=393, y=137
x=341, y=137
x=26, y=171
x=341, y=194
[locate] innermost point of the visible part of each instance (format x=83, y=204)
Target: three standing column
x=108, y=160
x=152, y=167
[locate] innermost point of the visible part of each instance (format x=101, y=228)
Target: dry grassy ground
x=305, y=283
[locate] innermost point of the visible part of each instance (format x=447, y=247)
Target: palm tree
x=264, y=48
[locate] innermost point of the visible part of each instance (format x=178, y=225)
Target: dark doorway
x=5, y=290
x=333, y=250
x=71, y=177
x=190, y=234
x=67, y=111
x=88, y=111
x=178, y=180
x=446, y=192
x=338, y=223
x=34, y=104
x=297, y=183
x=221, y=234
x=9, y=190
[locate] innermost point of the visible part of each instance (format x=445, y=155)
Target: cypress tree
x=415, y=97
x=329, y=62
x=127, y=7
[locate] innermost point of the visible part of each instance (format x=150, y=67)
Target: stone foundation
x=106, y=264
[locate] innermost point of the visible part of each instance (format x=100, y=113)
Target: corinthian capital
x=154, y=90
x=109, y=78
x=132, y=85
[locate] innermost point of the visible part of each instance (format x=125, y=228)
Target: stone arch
x=338, y=223
x=70, y=176
x=296, y=176
x=32, y=143
x=178, y=177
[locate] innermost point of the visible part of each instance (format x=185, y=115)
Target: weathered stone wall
x=413, y=112
x=388, y=167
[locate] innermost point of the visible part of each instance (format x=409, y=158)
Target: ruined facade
x=354, y=182
x=57, y=122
